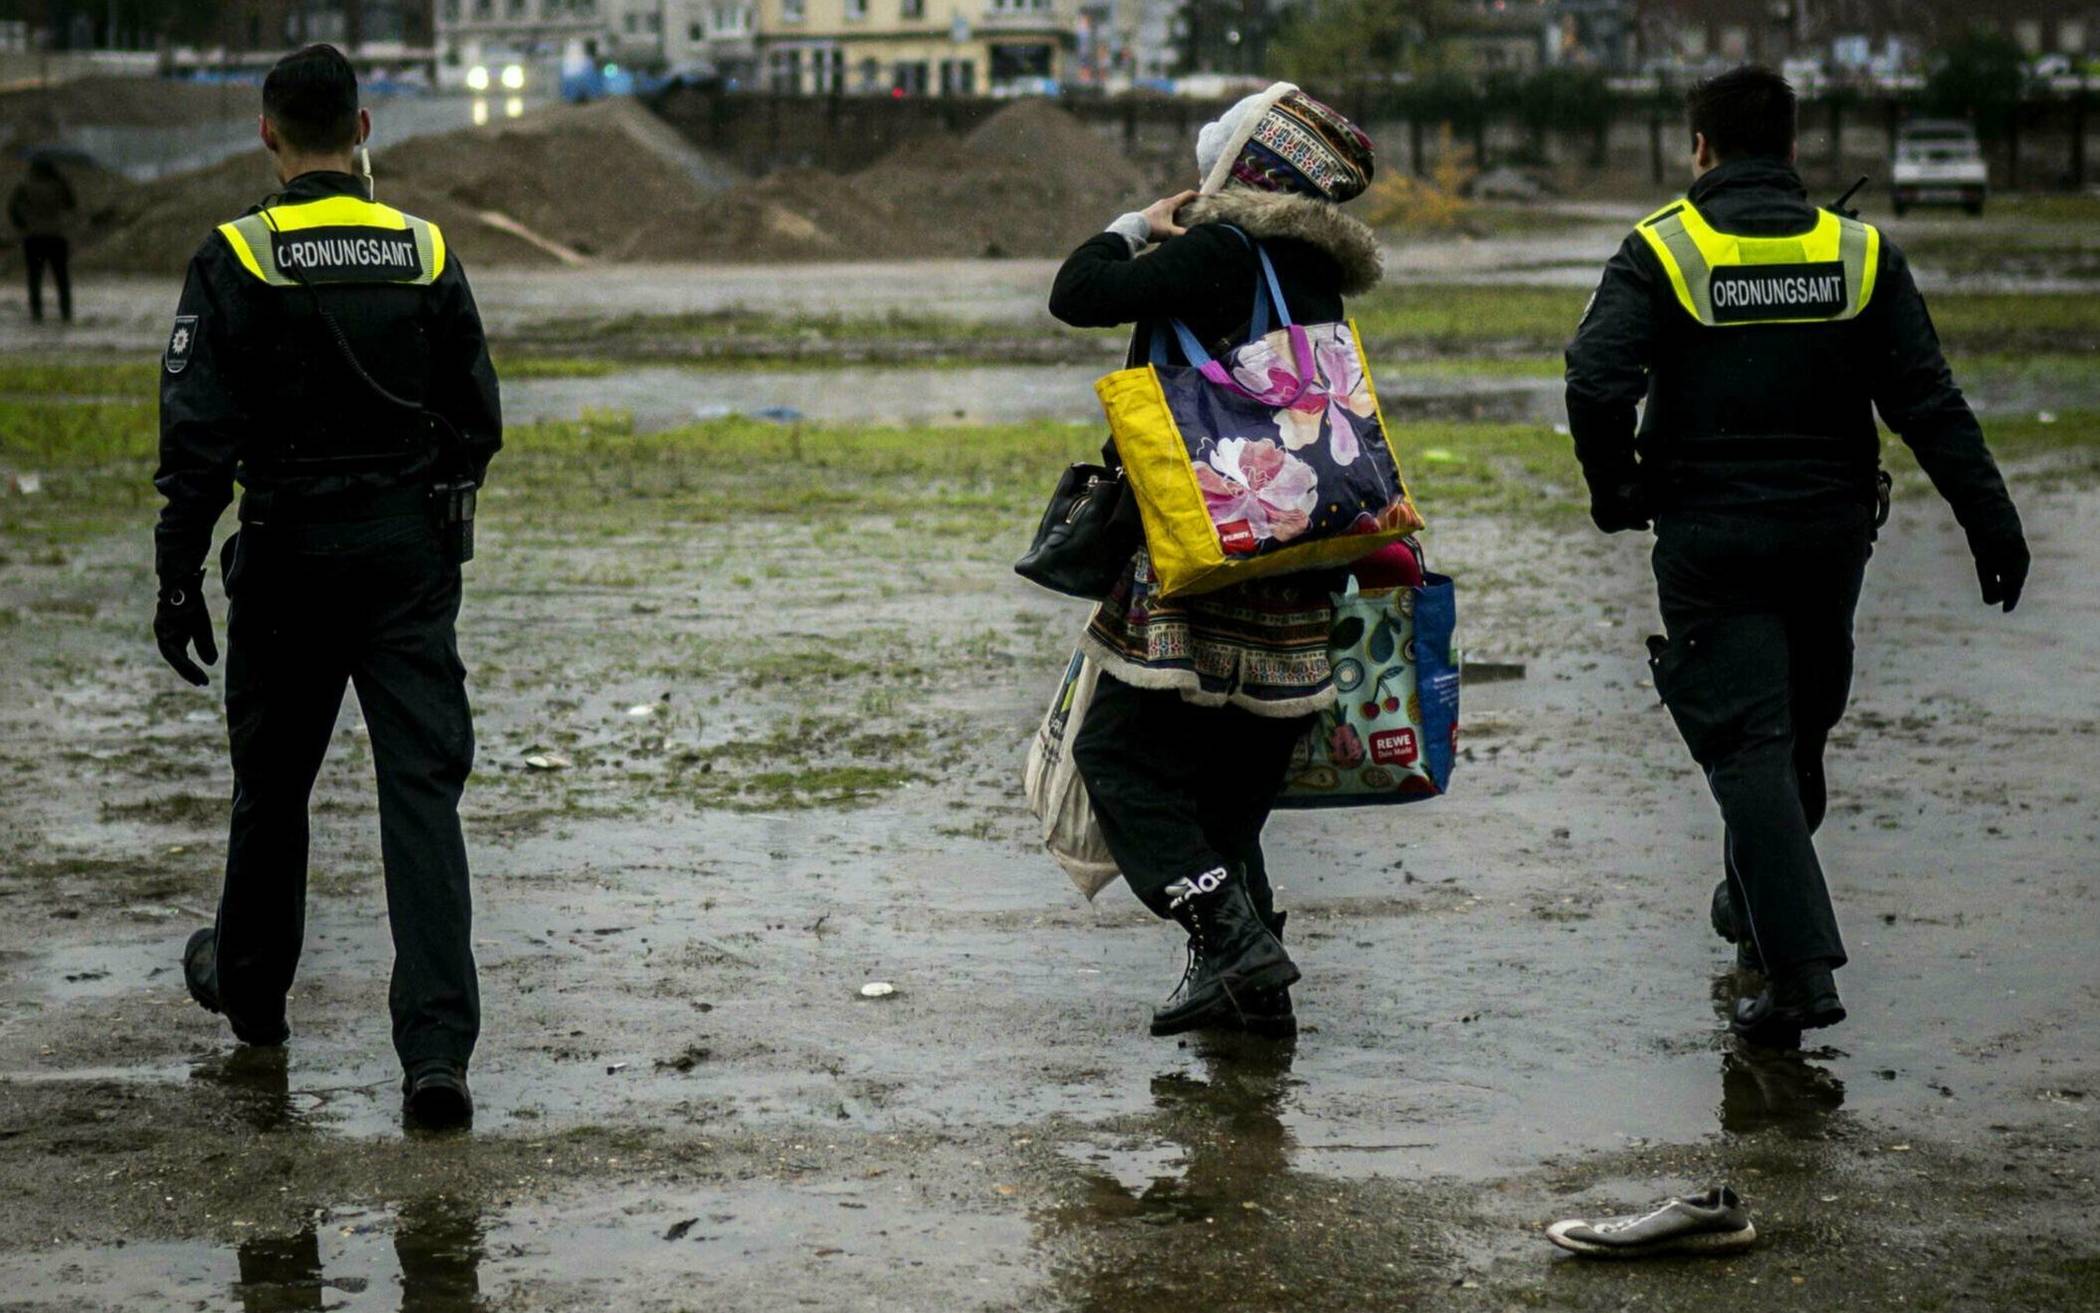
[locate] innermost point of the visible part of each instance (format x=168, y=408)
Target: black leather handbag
x=1088, y=534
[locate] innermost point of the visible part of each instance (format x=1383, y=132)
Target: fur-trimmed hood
x=1281, y=214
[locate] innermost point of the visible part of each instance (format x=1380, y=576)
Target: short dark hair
x=1746, y=111
x=311, y=98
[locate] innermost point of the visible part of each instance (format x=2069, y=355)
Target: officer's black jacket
x=254, y=387
x=1773, y=419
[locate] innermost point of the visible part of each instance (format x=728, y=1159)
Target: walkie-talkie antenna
x=1838, y=206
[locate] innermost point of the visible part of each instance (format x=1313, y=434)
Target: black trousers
x=1756, y=674
x=1180, y=789
x=39, y=253
x=314, y=609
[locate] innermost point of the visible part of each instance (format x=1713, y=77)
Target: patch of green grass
x=746, y=338
x=1458, y=319
x=509, y=367
x=122, y=377
x=821, y=786
x=2048, y=207
x=74, y=434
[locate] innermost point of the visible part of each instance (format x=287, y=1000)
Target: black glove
x=2001, y=562
x=179, y=620
x=1617, y=507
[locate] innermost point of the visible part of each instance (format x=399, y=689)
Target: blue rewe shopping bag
x=1392, y=734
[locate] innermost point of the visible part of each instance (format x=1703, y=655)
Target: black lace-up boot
x=1268, y=1012
x=1233, y=955
x=1806, y=1000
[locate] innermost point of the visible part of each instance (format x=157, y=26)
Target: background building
x=905, y=47
x=544, y=34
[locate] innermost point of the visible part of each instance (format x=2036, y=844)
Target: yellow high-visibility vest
x=336, y=239
x=1723, y=280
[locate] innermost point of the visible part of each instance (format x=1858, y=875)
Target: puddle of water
x=779, y=1244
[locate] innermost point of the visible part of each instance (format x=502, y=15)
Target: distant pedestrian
x=1723, y=383
x=41, y=209
x=1202, y=699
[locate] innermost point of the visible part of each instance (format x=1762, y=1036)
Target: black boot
x=1268, y=1012
x=434, y=1097
x=1777, y=1016
x=200, y=971
x=1731, y=928
x=1232, y=954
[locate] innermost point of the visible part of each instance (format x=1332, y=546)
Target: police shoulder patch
x=182, y=343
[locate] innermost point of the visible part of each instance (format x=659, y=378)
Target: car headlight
x=478, y=78
x=513, y=77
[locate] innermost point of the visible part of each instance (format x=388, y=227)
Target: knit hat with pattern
x=1283, y=140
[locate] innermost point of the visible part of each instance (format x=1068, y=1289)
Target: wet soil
x=660, y=397
x=568, y=309
x=793, y=746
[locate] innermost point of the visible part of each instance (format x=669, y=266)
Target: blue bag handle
x=1268, y=290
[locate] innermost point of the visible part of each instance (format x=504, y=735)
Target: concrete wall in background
x=756, y=134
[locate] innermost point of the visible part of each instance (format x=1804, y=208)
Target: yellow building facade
x=894, y=47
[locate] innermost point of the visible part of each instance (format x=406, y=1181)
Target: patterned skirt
x=1260, y=645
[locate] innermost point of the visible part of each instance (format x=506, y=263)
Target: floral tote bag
x=1270, y=461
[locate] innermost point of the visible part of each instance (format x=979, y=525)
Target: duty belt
x=288, y=507
x=1848, y=452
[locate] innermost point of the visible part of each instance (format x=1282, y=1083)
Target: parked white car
x=1938, y=162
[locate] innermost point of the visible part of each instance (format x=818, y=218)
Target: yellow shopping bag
x=1271, y=461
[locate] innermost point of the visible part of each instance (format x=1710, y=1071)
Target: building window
x=792, y=11
x=515, y=8
x=909, y=78
x=784, y=72
x=868, y=80
x=452, y=11
x=911, y=8
x=484, y=9
x=958, y=77
x=1012, y=60
x=856, y=10
x=2070, y=37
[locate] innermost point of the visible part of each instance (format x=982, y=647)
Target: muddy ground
x=793, y=679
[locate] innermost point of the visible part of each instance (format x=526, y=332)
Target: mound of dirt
x=1031, y=181
x=575, y=176
x=604, y=181
x=104, y=100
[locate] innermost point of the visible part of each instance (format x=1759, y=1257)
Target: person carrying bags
x=1248, y=438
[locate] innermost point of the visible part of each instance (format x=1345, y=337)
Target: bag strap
x=1267, y=291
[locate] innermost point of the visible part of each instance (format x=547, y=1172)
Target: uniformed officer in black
x=1763, y=334
x=327, y=354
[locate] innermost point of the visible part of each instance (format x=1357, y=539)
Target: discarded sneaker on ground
x=1710, y=1223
